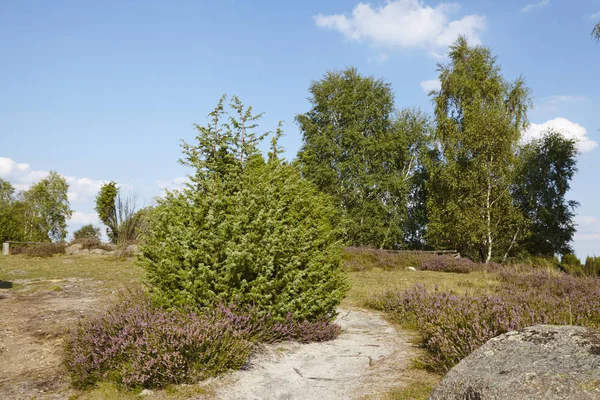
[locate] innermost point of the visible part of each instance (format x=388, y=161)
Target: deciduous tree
x=479, y=118
x=46, y=209
x=354, y=151
x=547, y=166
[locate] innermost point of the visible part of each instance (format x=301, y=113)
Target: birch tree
x=479, y=117
x=354, y=151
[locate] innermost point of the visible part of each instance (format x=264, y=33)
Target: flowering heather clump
x=452, y=326
x=364, y=259
x=450, y=264
x=137, y=344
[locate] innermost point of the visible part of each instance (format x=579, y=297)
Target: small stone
x=146, y=392
x=411, y=269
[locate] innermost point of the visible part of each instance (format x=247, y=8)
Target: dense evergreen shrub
x=245, y=230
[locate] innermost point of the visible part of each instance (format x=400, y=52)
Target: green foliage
x=596, y=31
x=107, y=209
x=479, y=118
x=592, y=266
x=355, y=151
x=244, y=230
x=125, y=224
x=11, y=226
x=46, y=209
x=547, y=166
x=571, y=264
x=88, y=231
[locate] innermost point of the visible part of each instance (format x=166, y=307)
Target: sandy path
x=366, y=360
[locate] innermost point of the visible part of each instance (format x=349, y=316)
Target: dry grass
x=366, y=284
x=112, y=272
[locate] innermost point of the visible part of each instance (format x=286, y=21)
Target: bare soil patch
x=33, y=322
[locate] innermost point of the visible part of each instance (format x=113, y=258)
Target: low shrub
x=137, y=344
x=39, y=249
x=365, y=259
x=452, y=326
x=450, y=264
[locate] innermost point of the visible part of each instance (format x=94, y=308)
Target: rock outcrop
x=73, y=249
x=538, y=362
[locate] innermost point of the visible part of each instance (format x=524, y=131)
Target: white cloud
x=431, y=84
x=568, y=128
x=82, y=218
x=21, y=176
x=533, y=6
x=173, y=184
x=405, y=24
x=82, y=189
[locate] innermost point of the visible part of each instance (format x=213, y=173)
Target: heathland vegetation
x=251, y=250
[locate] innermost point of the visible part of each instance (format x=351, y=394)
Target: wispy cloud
x=405, y=24
x=430, y=85
x=595, y=15
x=173, y=184
x=588, y=228
x=551, y=103
x=532, y=6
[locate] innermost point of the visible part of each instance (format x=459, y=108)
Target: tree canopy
x=359, y=150
x=479, y=118
x=547, y=165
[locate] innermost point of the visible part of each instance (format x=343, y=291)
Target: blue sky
x=105, y=90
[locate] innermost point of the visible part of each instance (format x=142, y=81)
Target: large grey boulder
x=74, y=248
x=538, y=362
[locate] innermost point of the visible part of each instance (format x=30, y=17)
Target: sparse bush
x=40, y=249
x=246, y=230
x=136, y=344
x=88, y=231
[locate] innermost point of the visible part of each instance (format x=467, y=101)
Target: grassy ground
x=41, y=277
x=366, y=284
x=111, y=272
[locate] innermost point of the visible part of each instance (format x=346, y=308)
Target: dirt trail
x=365, y=361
